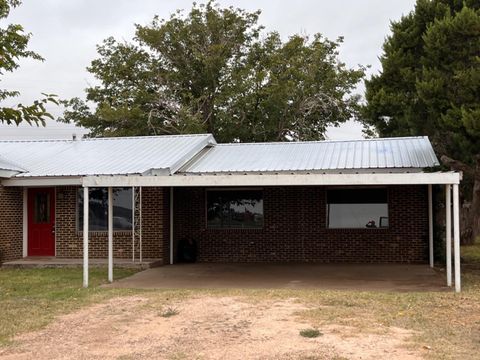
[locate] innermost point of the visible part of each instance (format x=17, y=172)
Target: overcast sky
x=65, y=33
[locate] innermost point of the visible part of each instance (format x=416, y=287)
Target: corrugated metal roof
x=383, y=153
x=103, y=156
x=7, y=165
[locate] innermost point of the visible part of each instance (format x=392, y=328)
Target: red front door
x=41, y=222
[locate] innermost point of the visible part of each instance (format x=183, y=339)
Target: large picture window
x=357, y=208
x=234, y=209
x=98, y=209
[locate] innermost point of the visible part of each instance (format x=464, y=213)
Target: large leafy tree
x=214, y=70
x=430, y=85
x=13, y=46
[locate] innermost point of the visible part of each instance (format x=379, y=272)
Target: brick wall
x=295, y=229
x=11, y=224
x=166, y=228
x=69, y=241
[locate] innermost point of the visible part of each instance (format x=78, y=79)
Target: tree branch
x=457, y=165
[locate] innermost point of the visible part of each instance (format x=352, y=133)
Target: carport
x=450, y=181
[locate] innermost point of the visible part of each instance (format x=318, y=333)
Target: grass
x=444, y=324
x=169, y=312
x=471, y=254
x=31, y=298
x=310, y=333
x=447, y=324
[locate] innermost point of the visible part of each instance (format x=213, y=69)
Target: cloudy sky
x=65, y=33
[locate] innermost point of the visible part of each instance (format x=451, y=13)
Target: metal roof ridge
x=323, y=141
x=103, y=138
x=199, y=156
x=145, y=137
x=193, y=153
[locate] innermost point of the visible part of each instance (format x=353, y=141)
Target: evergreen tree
x=430, y=85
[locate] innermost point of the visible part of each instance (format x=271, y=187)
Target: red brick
x=11, y=224
x=295, y=229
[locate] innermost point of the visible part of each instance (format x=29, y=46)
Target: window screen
x=357, y=208
x=98, y=212
x=231, y=209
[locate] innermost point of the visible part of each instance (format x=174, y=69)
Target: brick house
x=168, y=198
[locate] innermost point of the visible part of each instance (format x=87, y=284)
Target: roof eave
x=7, y=173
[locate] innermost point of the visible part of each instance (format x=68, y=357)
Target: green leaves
x=430, y=81
x=35, y=113
x=13, y=46
x=211, y=71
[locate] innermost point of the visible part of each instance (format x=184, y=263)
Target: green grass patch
x=169, y=312
x=31, y=298
x=471, y=254
x=310, y=333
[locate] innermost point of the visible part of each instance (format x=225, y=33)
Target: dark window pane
x=357, y=208
x=98, y=209
x=42, y=208
x=122, y=208
x=235, y=209
x=357, y=196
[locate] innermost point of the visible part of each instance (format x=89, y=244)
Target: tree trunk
x=475, y=209
x=471, y=230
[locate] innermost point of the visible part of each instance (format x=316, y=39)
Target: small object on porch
x=371, y=224
x=188, y=250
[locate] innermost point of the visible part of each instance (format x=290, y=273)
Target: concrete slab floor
x=288, y=276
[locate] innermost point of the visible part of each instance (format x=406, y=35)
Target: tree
x=212, y=71
x=430, y=85
x=13, y=46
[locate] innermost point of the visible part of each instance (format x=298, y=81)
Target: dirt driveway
x=202, y=327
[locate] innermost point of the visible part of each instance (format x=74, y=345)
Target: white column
x=171, y=225
x=141, y=222
x=448, y=232
x=85, y=236
x=133, y=224
x=25, y=222
x=430, y=225
x=456, y=237
x=110, y=234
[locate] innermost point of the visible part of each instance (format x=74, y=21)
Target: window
x=357, y=208
x=234, y=209
x=41, y=208
x=98, y=214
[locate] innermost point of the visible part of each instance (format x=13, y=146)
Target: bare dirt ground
x=204, y=327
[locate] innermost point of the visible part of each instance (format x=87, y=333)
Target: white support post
x=133, y=224
x=456, y=237
x=110, y=234
x=448, y=232
x=141, y=223
x=430, y=225
x=171, y=225
x=25, y=222
x=85, y=236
